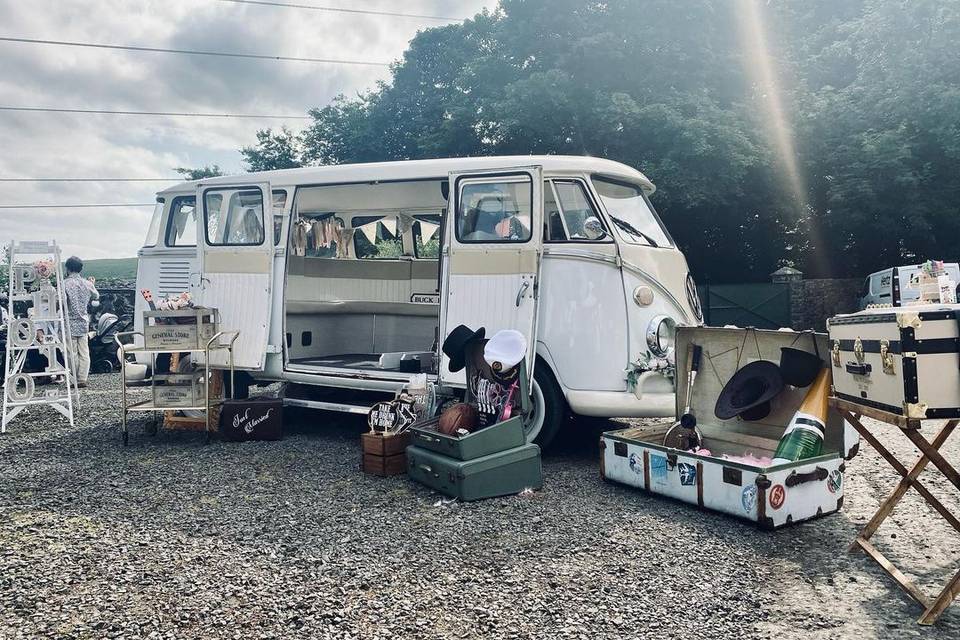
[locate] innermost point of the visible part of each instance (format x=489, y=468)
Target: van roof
x=423, y=169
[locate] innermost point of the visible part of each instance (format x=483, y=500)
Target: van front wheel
x=549, y=408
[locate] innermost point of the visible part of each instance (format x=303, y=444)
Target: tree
x=274, y=150
x=868, y=90
x=211, y=171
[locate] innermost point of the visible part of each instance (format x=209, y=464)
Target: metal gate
x=760, y=305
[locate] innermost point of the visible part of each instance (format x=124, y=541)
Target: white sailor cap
x=505, y=349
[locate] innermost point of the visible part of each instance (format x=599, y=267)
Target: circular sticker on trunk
x=835, y=481
x=777, y=496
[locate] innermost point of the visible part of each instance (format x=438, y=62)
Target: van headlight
x=661, y=333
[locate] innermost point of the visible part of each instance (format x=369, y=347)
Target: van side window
x=553, y=218
x=234, y=216
x=376, y=238
x=279, y=202
x=567, y=208
x=495, y=210
x=182, y=222
x=426, y=236
x=317, y=235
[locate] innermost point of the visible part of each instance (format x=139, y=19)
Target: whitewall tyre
x=549, y=408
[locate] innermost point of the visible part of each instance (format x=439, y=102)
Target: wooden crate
x=384, y=455
x=378, y=444
x=188, y=423
x=181, y=329
x=173, y=390
x=385, y=466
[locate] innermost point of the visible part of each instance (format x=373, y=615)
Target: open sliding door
x=236, y=265
x=493, y=245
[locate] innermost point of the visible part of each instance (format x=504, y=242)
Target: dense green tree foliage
x=832, y=145
x=207, y=171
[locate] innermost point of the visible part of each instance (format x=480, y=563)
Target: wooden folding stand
x=930, y=453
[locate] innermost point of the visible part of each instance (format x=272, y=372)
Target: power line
x=370, y=12
x=193, y=52
x=74, y=206
x=155, y=113
x=92, y=179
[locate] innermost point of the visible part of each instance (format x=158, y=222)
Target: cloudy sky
x=57, y=145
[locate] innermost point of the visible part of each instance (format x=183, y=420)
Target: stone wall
x=813, y=301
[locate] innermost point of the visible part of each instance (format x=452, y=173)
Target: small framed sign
x=392, y=416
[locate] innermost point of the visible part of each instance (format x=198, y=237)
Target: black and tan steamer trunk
x=903, y=360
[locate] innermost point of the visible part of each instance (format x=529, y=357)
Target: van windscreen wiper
x=629, y=228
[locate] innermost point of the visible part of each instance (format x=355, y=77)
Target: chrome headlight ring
x=661, y=335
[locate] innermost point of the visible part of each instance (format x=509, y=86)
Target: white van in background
x=892, y=286
x=333, y=274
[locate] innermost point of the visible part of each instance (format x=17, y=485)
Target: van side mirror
x=593, y=229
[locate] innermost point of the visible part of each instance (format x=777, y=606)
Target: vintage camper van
x=338, y=277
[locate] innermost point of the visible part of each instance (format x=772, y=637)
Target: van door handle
x=523, y=289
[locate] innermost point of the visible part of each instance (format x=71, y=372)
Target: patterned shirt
x=79, y=292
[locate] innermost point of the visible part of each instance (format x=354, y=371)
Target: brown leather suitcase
x=252, y=419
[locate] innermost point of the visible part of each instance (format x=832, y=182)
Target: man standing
x=79, y=292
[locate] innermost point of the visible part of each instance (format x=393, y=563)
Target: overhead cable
x=192, y=52
x=174, y=114
x=75, y=206
x=369, y=12
x=91, y=179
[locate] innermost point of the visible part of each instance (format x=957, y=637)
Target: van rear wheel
x=549, y=408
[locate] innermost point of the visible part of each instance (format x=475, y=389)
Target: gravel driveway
x=172, y=539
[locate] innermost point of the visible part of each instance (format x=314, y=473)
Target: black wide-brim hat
x=455, y=345
x=748, y=390
x=799, y=368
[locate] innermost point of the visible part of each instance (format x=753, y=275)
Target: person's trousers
x=80, y=358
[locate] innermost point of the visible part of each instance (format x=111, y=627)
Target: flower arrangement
x=43, y=268
x=649, y=362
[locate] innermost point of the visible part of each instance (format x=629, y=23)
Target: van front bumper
x=653, y=397
x=621, y=404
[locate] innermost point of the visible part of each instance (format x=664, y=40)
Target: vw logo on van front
x=693, y=298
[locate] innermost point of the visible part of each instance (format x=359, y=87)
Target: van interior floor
x=364, y=361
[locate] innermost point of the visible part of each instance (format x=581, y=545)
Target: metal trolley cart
x=182, y=392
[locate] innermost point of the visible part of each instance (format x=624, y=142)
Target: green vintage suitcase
x=498, y=474
x=482, y=442
x=498, y=437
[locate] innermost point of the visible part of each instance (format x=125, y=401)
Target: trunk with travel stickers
x=737, y=468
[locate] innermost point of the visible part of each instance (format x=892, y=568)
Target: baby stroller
x=103, y=349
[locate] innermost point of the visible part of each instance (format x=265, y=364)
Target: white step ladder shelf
x=19, y=388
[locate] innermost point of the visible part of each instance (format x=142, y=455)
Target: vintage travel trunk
x=772, y=495
x=252, y=419
x=903, y=360
x=498, y=474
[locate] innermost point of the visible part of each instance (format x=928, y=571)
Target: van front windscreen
x=154, y=230
x=631, y=213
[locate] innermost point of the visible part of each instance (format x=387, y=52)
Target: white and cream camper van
x=338, y=276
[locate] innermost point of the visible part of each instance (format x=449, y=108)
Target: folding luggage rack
x=930, y=453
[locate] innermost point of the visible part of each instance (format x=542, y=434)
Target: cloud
x=64, y=145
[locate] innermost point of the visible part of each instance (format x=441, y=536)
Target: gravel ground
x=172, y=539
